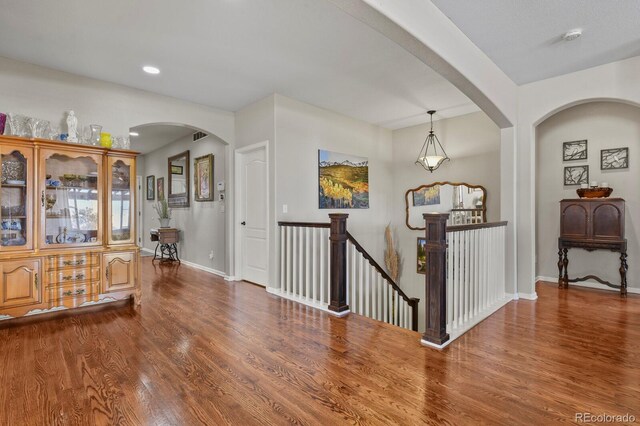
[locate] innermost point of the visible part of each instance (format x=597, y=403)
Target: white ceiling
x=524, y=37
x=155, y=136
x=230, y=53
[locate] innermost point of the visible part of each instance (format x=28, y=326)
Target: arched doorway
x=202, y=222
x=604, y=125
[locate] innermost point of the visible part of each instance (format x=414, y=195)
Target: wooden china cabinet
x=68, y=226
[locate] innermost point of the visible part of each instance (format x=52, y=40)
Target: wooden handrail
x=458, y=228
x=305, y=224
x=380, y=270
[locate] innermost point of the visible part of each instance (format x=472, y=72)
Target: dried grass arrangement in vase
x=393, y=263
x=391, y=255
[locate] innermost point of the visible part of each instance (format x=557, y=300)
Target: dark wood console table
x=167, y=239
x=592, y=224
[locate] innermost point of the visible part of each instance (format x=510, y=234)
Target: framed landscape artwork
x=576, y=175
x=422, y=255
x=612, y=159
x=427, y=196
x=151, y=188
x=160, y=188
x=574, y=150
x=343, y=181
x=203, y=178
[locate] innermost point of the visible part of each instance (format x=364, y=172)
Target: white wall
x=302, y=129
x=473, y=143
x=45, y=93
x=605, y=125
x=202, y=225
x=537, y=101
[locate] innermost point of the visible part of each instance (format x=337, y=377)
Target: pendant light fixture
x=432, y=154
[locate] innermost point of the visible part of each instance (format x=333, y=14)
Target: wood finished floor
x=204, y=351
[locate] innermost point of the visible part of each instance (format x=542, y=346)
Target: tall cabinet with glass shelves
x=68, y=226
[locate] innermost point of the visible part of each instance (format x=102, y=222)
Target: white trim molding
x=588, y=284
x=528, y=296
x=322, y=306
x=203, y=268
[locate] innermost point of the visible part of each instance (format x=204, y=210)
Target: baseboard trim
x=589, y=284
x=528, y=296
x=322, y=306
x=231, y=278
x=203, y=268
x=194, y=265
x=434, y=345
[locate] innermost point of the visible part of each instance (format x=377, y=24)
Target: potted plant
x=164, y=213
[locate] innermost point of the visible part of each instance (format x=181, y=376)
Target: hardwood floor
x=204, y=351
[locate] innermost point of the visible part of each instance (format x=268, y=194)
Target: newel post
x=436, y=278
x=338, y=278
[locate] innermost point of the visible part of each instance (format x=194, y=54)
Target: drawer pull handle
x=107, y=272
x=74, y=262
x=42, y=198
x=36, y=280
x=73, y=277
x=78, y=292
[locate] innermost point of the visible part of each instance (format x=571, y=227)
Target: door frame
x=239, y=212
x=139, y=218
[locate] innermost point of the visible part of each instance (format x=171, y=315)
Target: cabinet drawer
x=73, y=290
x=66, y=261
x=66, y=276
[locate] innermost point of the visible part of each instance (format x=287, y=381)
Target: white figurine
x=72, y=127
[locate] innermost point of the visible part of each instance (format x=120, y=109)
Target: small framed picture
x=160, y=188
x=616, y=158
x=203, y=178
x=576, y=175
x=177, y=170
x=151, y=188
x=422, y=255
x=574, y=150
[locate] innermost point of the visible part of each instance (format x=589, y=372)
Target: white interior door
x=253, y=215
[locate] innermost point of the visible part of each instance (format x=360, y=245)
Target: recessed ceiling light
x=572, y=35
x=134, y=134
x=150, y=70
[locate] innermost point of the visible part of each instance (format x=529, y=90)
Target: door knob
x=243, y=223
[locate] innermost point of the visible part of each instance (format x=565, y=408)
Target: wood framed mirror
x=465, y=203
x=178, y=188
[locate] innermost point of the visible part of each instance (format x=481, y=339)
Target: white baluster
x=467, y=276
x=367, y=287
x=321, y=266
x=314, y=264
x=283, y=274
x=361, y=284
x=307, y=263
x=328, y=279
x=353, y=269
x=289, y=257
x=385, y=301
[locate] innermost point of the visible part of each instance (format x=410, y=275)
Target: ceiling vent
x=199, y=135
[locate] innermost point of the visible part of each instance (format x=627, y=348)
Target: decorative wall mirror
x=179, y=193
x=465, y=203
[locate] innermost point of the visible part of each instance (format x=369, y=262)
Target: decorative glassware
x=3, y=121
x=32, y=125
x=96, y=129
x=54, y=133
x=16, y=124
x=105, y=140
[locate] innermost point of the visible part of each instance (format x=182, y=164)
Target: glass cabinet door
x=71, y=198
x=121, y=204
x=15, y=198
